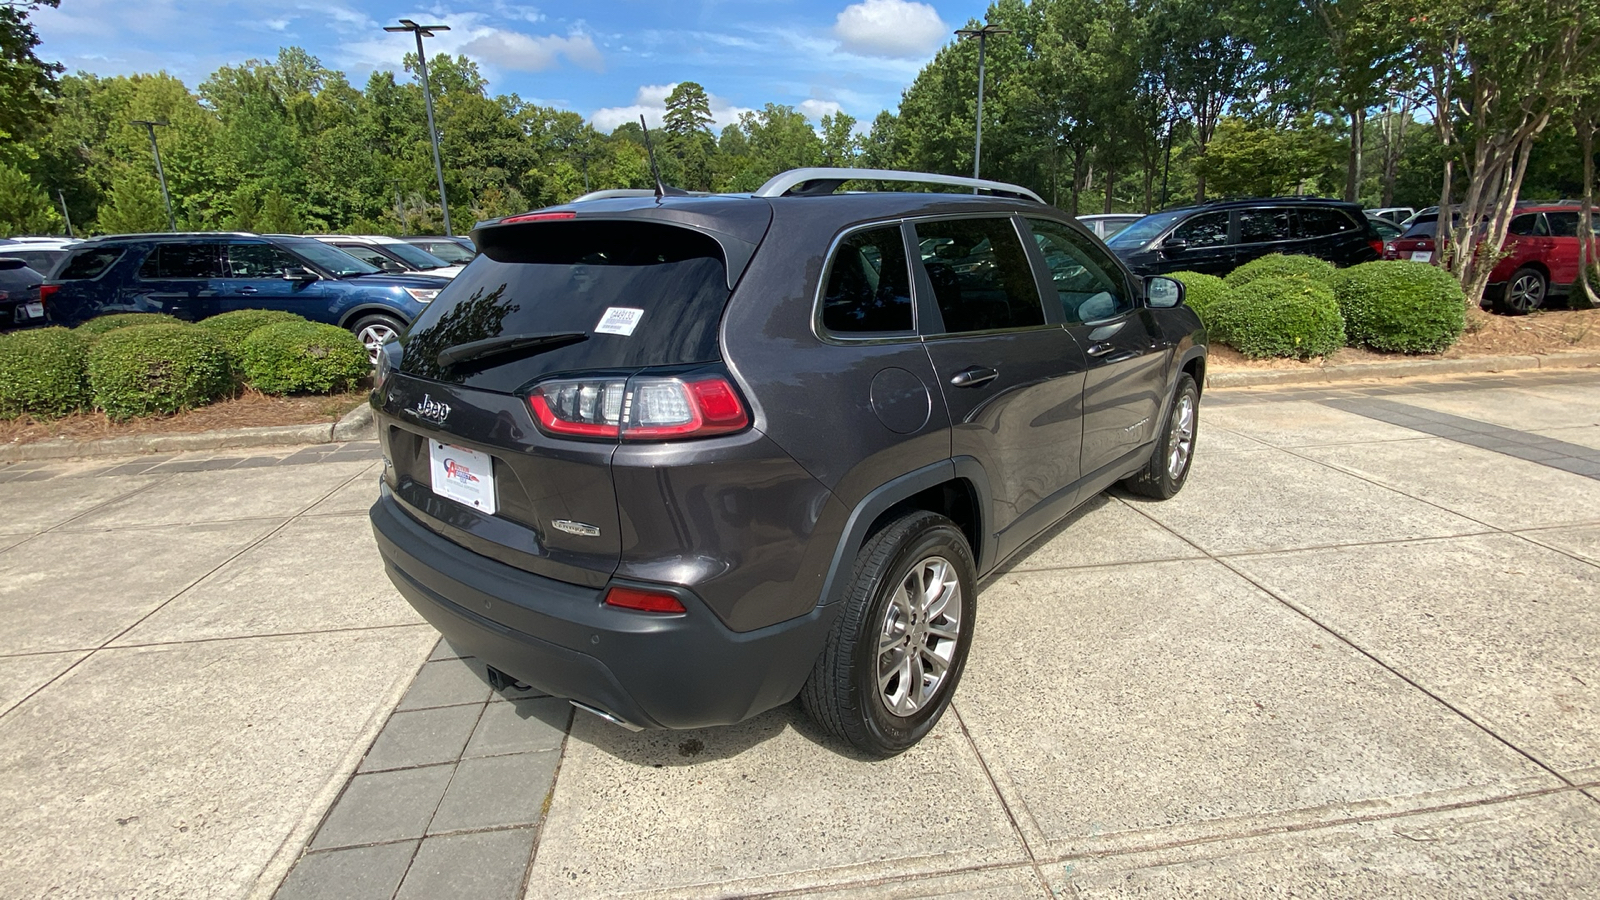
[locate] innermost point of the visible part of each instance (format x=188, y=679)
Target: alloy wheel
x=373, y=337
x=918, y=637
x=1180, y=443
x=1526, y=293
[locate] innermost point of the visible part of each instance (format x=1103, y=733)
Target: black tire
x=843, y=693
x=1164, y=475
x=1525, y=291
x=370, y=331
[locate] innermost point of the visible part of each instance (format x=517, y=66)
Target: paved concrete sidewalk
x=1356, y=657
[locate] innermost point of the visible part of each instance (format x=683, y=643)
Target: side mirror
x=1174, y=245
x=390, y=265
x=300, y=274
x=1161, y=292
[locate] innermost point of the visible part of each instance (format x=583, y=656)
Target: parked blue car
x=192, y=276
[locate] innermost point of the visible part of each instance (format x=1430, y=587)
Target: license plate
x=1422, y=256
x=463, y=475
x=35, y=310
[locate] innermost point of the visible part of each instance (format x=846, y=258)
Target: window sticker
x=619, y=320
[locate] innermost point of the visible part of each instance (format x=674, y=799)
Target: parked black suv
x=682, y=459
x=1218, y=237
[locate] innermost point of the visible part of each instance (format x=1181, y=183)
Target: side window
x=1204, y=230
x=1564, y=224
x=869, y=284
x=1260, y=226
x=1322, y=221
x=259, y=261
x=86, y=264
x=1089, y=284
x=183, y=261
x=1525, y=225
x=367, y=254
x=980, y=274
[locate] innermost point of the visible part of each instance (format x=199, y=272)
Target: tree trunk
x=1111, y=180
x=1352, y=172
x=1588, y=296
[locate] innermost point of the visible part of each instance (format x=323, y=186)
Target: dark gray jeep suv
x=681, y=459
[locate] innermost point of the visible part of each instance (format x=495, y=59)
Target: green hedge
x=157, y=369
x=1291, y=317
x=1401, y=307
x=43, y=372
x=1202, y=293
x=1279, y=265
x=106, y=324
x=303, y=357
x=233, y=327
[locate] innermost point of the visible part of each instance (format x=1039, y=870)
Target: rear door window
x=259, y=261
x=635, y=293
x=1322, y=221
x=980, y=274
x=186, y=260
x=86, y=264
x=1530, y=224
x=1261, y=226
x=1565, y=224
x=868, y=286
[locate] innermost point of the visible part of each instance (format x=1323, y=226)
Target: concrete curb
x=356, y=425
x=1412, y=368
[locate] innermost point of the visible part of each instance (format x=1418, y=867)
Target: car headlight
x=422, y=295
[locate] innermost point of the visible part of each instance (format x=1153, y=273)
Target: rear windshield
x=1144, y=230
x=89, y=263
x=643, y=294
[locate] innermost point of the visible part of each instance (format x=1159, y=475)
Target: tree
x=134, y=206
x=839, y=145
x=24, y=207
x=688, y=110
x=26, y=82
x=1206, y=63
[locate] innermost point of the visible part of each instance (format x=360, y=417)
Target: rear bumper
x=653, y=671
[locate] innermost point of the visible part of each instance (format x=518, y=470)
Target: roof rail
x=818, y=182
x=614, y=193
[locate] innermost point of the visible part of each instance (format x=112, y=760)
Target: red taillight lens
x=644, y=601
x=46, y=291
x=538, y=217
x=1377, y=247
x=646, y=408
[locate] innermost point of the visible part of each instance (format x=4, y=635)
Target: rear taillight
x=643, y=600
x=1377, y=247
x=644, y=408
x=46, y=291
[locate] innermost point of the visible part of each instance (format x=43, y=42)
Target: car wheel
x=1168, y=469
x=1524, y=292
x=896, y=652
x=374, y=331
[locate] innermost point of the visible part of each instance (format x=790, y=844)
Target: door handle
x=974, y=376
x=245, y=290
x=1100, y=349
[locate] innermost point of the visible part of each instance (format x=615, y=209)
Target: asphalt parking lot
x=1358, y=656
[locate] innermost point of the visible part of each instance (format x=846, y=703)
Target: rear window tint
x=87, y=264
x=556, y=277
x=1259, y=226
x=1315, y=222
x=200, y=260
x=869, y=284
x=981, y=276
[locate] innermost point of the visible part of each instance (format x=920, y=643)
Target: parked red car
x=1541, y=255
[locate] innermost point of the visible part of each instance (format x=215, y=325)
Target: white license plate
x=463, y=475
x=1422, y=256
x=35, y=310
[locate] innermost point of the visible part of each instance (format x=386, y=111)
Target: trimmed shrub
x=1291, y=317
x=233, y=327
x=43, y=372
x=1279, y=265
x=303, y=357
x=157, y=369
x=107, y=324
x=1202, y=293
x=1401, y=307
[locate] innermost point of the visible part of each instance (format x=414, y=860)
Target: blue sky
x=609, y=61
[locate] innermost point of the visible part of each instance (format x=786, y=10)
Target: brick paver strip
x=355, y=874
x=1537, y=448
x=386, y=806
x=488, y=865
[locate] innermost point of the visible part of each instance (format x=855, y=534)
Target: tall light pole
x=422, y=31
x=172, y=223
x=982, y=34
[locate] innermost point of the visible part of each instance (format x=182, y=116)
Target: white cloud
x=893, y=28
x=651, y=102
x=517, y=52
x=816, y=109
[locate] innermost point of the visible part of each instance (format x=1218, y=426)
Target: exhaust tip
x=605, y=715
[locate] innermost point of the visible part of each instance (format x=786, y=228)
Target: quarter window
x=980, y=274
x=182, y=261
x=1317, y=222
x=1090, y=286
x=1528, y=224
x=88, y=264
x=1206, y=230
x=1565, y=224
x=869, y=284
x=1260, y=226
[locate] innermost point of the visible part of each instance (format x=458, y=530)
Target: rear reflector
x=645, y=408
x=644, y=601
x=538, y=217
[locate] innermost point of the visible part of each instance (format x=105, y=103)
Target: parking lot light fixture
x=982, y=34
x=422, y=31
x=150, y=126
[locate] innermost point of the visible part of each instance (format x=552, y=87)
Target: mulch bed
x=250, y=410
